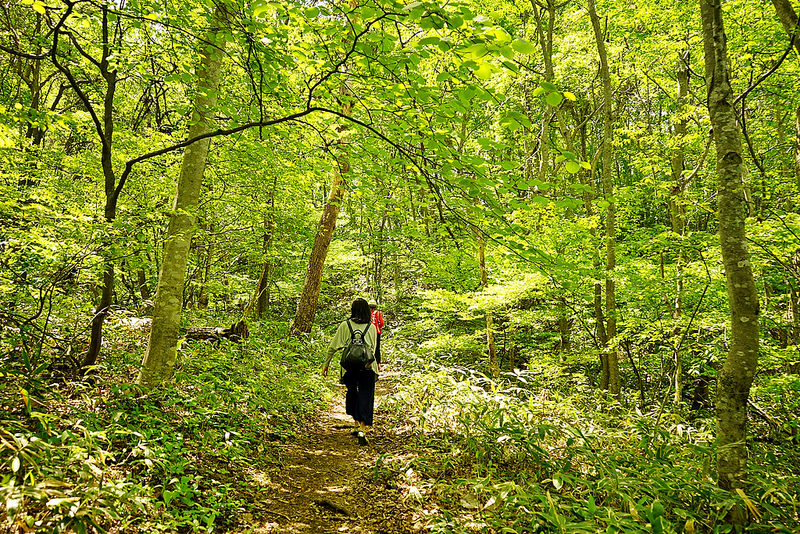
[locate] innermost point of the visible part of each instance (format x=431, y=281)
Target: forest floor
x=327, y=482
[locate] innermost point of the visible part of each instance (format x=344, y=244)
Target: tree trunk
x=564, y=326
x=608, y=191
x=789, y=19
x=794, y=305
x=141, y=283
x=110, y=210
x=736, y=376
x=309, y=298
x=205, y=276
x=307, y=306
x=587, y=179
x=546, y=42
x=494, y=365
x=677, y=211
x=797, y=148
x=159, y=360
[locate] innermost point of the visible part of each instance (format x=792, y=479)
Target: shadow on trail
x=326, y=484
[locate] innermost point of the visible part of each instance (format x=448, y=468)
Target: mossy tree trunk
x=159, y=360
x=736, y=376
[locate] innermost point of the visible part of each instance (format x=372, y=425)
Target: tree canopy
x=580, y=218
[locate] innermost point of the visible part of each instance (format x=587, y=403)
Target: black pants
x=378, y=348
x=360, y=400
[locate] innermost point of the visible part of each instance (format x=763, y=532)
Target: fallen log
x=237, y=332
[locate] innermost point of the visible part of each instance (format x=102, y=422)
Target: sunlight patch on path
x=325, y=484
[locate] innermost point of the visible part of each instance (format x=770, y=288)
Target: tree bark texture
x=307, y=306
x=614, y=385
x=159, y=360
x=736, y=376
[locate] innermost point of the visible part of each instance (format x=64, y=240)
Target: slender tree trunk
x=546, y=41
x=141, y=283
x=789, y=20
x=494, y=365
x=110, y=211
x=269, y=234
x=202, y=294
x=677, y=210
x=307, y=306
x=159, y=360
x=564, y=326
x=794, y=304
x=264, y=281
x=797, y=148
x=587, y=180
x=309, y=298
x=736, y=376
x=608, y=190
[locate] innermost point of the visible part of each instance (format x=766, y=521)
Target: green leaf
x=429, y=40
x=455, y=21
x=484, y=70
x=570, y=96
x=260, y=9
x=475, y=51
x=312, y=12
x=554, y=99
x=511, y=66
x=509, y=165
x=572, y=166
x=515, y=119
x=38, y=7
x=523, y=46
x=548, y=86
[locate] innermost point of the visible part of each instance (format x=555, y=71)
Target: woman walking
x=360, y=381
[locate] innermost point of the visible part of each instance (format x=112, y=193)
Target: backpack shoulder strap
x=351, y=328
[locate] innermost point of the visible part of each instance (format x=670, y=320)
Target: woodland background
x=529, y=191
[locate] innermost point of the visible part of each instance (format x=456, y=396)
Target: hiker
x=377, y=320
x=360, y=382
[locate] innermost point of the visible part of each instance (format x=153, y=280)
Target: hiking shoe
x=362, y=439
x=354, y=432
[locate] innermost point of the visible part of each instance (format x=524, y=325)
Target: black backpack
x=356, y=355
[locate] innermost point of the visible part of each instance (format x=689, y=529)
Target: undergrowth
x=522, y=455
x=103, y=455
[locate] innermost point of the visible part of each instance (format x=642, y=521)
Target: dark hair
x=359, y=312
x=373, y=306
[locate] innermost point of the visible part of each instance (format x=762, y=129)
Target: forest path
x=327, y=485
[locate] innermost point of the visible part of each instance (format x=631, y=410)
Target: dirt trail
x=327, y=485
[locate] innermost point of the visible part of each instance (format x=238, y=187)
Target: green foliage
x=104, y=454
x=518, y=456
